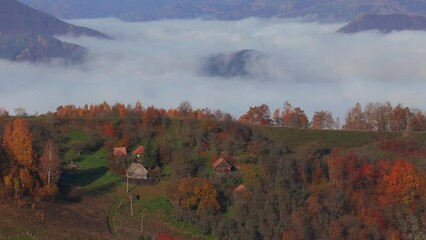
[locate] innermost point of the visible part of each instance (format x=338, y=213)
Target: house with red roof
x=139, y=151
x=120, y=152
x=222, y=166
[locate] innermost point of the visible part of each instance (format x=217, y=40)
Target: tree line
x=373, y=117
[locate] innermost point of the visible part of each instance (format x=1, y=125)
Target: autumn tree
x=378, y=116
x=4, y=114
x=418, y=121
x=401, y=118
x=400, y=183
x=294, y=117
x=18, y=143
x=197, y=194
x=277, y=118
x=185, y=109
x=7, y=140
x=109, y=130
x=50, y=164
x=323, y=120
x=355, y=118
x=258, y=115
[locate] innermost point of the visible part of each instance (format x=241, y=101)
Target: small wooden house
x=222, y=166
x=120, y=151
x=138, y=152
x=137, y=171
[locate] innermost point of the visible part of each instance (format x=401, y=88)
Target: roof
x=139, y=151
x=219, y=161
x=120, y=151
x=240, y=188
x=137, y=168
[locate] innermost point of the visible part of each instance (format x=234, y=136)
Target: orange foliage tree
x=197, y=194
x=257, y=115
x=323, y=120
x=17, y=143
x=400, y=184
x=294, y=117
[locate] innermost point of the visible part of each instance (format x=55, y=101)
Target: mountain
x=17, y=18
x=385, y=23
x=36, y=48
x=140, y=10
x=27, y=34
x=228, y=65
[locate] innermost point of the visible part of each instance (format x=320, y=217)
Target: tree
x=7, y=140
x=20, y=112
x=4, y=114
x=50, y=164
x=323, y=120
x=294, y=117
x=18, y=143
x=109, y=130
x=277, y=117
x=185, y=109
x=258, y=115
x=151, y=155
x=197, y=194
x=355, y=118
x=400, y=184
x=400, y=118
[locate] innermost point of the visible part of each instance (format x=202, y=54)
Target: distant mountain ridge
x=385, y=23
x=27, y=34
x=141, y=10
x=17, y=18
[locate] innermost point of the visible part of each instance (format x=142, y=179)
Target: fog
x=159, y=63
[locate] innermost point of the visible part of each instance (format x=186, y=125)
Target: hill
x=35, y=48
x=385, y=23
x=235, y=64
x=27, y=34
x=332, y=10
x=285, y=176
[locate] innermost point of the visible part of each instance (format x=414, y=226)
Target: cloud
x=159, y=63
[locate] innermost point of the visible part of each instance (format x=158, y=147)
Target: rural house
x=222, y=166
x=138, y=152
x=120, y=151
x=137, y=171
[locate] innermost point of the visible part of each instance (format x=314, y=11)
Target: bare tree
x=20, y=112
x=50, y=164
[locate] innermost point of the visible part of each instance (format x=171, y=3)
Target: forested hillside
x=266, y=176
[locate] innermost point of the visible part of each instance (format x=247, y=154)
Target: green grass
x=293, y=137
x=94, y=173
x=94, y=160
x=77, y=134
x=163, y=208
x=105, y=182
x=23, y=238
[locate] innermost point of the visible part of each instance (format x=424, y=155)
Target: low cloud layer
x=160, y=63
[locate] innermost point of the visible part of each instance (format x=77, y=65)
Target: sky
x=160, y=63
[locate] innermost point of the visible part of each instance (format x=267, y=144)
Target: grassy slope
x=292, y=137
